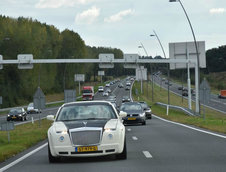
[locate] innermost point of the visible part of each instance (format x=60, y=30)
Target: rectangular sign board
x=0, y=100
x=106, y=60
x=100, y=73
x=25, y=61
x=141, y=73
x=7, y=126
x=130, y=61
x=80, y=77
x=1, y=58
x=185, y=50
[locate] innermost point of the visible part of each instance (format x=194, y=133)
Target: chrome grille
x=86, y=136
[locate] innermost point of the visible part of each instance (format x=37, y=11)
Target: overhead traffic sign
x=130, y=61
x=25, y=61
x=106, y=60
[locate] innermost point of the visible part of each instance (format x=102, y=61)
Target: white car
x=86, y=129
x=31, y=109
x=100, y=89
x=107, y=85
x=105, y=93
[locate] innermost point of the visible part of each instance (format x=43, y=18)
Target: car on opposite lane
x=135, y=113
x=17, y=114
x=86, y=129
x=100, y=89
x=31, y=109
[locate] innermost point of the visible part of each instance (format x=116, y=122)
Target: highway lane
x=214, y=103
x=157, y=146
x=172, y=148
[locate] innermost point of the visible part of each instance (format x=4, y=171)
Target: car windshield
x=86, y=91
x=130, y=107
x=144, y=105
x=125, y=97
x=86, y=112
x=15, y=111
x=31, y=105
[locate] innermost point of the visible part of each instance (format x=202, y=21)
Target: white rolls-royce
x=86, y=129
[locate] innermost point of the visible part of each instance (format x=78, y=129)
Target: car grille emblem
x=84, y=122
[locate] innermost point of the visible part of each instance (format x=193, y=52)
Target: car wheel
x=144, y=123
x=52, y=159
x=123, y=155
x=22, y=119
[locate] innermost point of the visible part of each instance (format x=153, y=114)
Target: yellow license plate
x=86, y=149
x=131, y=118
x=14, y=117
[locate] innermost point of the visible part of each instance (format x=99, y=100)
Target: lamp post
x=196, y=47
x=142, y=46
x=168, y=73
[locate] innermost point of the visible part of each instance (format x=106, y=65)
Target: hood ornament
x=84, y=122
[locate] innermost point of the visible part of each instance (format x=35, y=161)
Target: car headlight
x=109, y=129
x=62, y=132
x=8, y=115
x=20, y=115
x=142, y=114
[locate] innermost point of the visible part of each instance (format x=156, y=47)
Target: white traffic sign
x=80, y=77
x=1, y=58
x=130, y=61
x=187, y=50
x=100, y=73
x=106, y=60
x=25, y=61
x=141, y=73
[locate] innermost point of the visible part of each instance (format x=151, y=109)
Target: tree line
x=28, y=36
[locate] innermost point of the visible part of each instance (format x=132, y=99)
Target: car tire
x=22, y=119
x=52, y=159
x=144, y=122
x=123, y=155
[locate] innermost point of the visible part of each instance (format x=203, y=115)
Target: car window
x=130, y=107
x=83, y=112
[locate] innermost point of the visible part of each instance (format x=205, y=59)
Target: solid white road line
x=134, y=138
x=186, y=126
x=147, y=154
x=22, y=158
x=129, y=129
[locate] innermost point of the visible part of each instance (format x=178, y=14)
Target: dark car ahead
x=126, y=99
x=135, y=113
x=17, y=114
x=147, y=110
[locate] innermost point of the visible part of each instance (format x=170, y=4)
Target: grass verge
x=214, y=120
x=22, y=137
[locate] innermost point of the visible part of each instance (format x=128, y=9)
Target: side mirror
x=50, y=117
x=122, y=114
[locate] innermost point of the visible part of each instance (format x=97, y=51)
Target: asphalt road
x=214, y=103
x=158, y=146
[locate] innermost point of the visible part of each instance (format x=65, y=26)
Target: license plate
x=131, y=118
x=14, y=117
x=86, y=149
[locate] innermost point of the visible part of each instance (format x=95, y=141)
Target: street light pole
x=196, y=47
x=168, y=73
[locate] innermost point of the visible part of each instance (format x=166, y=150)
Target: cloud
x=88, y=16
x=119, y=16
x=59, y=3
x=217, y=10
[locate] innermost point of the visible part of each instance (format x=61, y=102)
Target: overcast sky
x=125, y=24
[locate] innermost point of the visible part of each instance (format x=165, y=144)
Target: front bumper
x=69, y=151
x=131, y=120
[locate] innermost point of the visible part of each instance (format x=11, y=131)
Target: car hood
x=61, y=126
x=133, y=111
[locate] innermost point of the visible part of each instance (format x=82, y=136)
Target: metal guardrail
x=185, y=110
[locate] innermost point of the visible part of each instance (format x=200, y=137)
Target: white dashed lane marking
x=129, y=129
x=134, y=138
x=147, y=154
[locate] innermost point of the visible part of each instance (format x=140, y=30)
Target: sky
x=126, y=24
